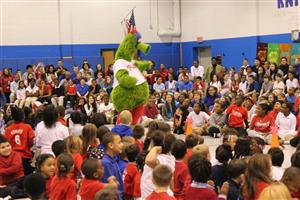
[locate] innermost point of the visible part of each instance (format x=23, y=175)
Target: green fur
x=127, y=95
x=125, y=80
x=128, y=99
x=127, y=48
x=142, y=65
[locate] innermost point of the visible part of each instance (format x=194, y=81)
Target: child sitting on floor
x=34, y=185
x=181, y=173
x=123, y=160
x=235, y=170
x=199, y=118
x=219, y=170
x=138, y=132
x=45, y=165
x=191, y=141
x=132, y=175
x=200, y=170
x=74, y=148
x=90, y=185
x=202, y=150
x=11, y=168
x=291, y=178
x=123, y=129
x=161, y=178
x=277, y=157
x=63, y=187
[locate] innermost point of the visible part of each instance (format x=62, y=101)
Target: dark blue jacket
x=234, y=190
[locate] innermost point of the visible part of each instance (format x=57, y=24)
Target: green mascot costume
x=130, y=88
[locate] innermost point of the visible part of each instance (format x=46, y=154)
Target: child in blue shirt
x=113, y=145
x=291, y=98
x=123, y=129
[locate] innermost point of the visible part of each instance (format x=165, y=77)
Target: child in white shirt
x=199, y=118
x=157, y=155
x=21, y=95
x=291, y=81
x=215, y=82
x=159, y=86
x=286, y=122
x=278, y=85
x=277, y=157
x=107, y=108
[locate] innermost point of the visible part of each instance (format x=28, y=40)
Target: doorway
x=204, y=56
x=108, y=56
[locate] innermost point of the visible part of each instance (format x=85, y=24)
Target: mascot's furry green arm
x=130, y=89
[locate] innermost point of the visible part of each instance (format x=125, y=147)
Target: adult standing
x=197, y=70
x=163, y=72
x=284, y=66
x=214, y=69
x=60, y=69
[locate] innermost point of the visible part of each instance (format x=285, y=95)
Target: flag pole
x=124, y=20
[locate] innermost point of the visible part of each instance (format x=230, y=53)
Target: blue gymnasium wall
x=17, y=57
x=233, y=50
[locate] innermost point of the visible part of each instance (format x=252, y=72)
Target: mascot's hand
x=125, y=80
x=142, y=65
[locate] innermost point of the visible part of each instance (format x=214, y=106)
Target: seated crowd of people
x=57, y=143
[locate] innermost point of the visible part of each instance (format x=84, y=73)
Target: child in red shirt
x=161, y=178
x=132, y=175
x=45, y=165
x=90, y=184
x=199, y=84
x=45, y=92
x=276, y=110
x=61, y=115
x=261, y=123
x=237, y=115
x=71, y=93
x=11, y=169
x=191, y=141
x=63, y=187
x=257, y=176
x=138, y=132
x=74, y=148
x=20, y=136
x=200, y=171
x=181, y=173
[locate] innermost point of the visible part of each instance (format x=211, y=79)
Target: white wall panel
x=29, y=22
x=273, y=20
x=32, y=22
x=214, y=19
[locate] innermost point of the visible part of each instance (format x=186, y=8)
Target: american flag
x=131, y=28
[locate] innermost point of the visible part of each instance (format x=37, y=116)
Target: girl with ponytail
x=63, y=187
x=262, y=122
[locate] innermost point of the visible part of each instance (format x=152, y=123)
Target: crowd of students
x=56, y=143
